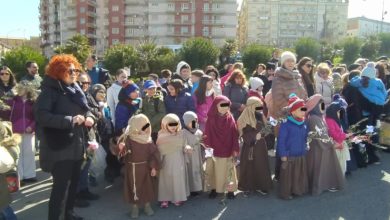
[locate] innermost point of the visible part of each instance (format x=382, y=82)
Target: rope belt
x=134, y=187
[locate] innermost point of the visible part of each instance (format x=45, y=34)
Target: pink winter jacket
x=335, y=130
x=203, y=109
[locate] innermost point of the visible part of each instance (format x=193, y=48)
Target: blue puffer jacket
x=375, y=92
x=179, y=104
x=292, y=140
x=123, y=113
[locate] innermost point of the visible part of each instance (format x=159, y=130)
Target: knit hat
x=369, y=71
x=255, y=83
x=188, y=117
x=313, y=101
x=129, y=87
x=294, y=102
x=287, y=55
x=97, y=87
x=149, y=84
x=337, y=98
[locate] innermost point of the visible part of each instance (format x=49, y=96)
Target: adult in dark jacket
x=353, y=98
x=178, y=101
x=32, y=74
x=63, y=117
x=237, y=92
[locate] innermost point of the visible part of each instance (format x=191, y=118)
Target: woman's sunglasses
x=71, y=71
x=145, y=127
x=85, y=83
x=309, y=65
x=223, y=105
x=173, y=124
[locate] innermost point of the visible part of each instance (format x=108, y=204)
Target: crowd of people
x=172, y=137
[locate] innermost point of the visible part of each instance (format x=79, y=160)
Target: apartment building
x=281, y=22
x=363, y=27
x=108, y=22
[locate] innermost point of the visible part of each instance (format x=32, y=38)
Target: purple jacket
x=21, y=115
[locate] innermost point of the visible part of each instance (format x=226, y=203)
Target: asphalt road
x=366, y=197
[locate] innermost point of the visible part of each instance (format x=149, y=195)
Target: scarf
x=76, y=94
x=221, y=130
x=298, y=121
x=168, y=142
x=134, y=129
x=248, y=116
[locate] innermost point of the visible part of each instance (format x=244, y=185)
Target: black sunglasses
x=259, y=108
x=85, y=83
x=224, y=105
x=309, y=65
x=145, y=127
x=193, y=124
x=173, y=124
x=71, y=71
x=303, y=109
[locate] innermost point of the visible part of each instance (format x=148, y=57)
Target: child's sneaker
x=180, y=203
x=134, y=211
x=164, y=204
x=148, y=210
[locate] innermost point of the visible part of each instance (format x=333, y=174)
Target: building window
x=82, y=20
x=115, y=30
x=184, y=30
x=185, y=6
x=206, y=7
x=184, y=18
x=115, y=19
x=171, y=6
x=206, y=31
x=216, y=6
x=115, y=41
x=154, y=4
x=115, y=8
x=82, y=31
x=82, y=10
x=154, y=17
x=130, y=31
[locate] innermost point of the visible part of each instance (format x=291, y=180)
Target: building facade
x=363, y=27
x=281, y=22
x=109, y=22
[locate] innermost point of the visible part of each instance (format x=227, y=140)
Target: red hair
x=59, y=65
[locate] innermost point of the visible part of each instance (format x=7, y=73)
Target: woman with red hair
x=63, y=119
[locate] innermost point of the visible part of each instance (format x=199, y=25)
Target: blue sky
x=19, y=18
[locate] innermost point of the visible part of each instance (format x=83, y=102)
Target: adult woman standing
x=7, y=81
x=178, y=101
x=203, y=99
x=324, y=83
x=305, y=68
x=62, y=114
x=237, y=92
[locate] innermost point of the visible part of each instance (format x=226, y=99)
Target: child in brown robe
x=142, y=160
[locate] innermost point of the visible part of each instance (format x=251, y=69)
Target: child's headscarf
x=248, y=116
x=134, y=129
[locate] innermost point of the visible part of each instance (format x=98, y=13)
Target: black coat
x=353, y=98
x=54, y=110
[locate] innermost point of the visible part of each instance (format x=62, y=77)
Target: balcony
x=91, y=35
x=92, y=3
x=92, y=14
x=212, y=22
x=90, y=25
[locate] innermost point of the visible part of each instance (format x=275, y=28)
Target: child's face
x=134, y=94
x=121, y=77
x=171, y=90
x=22, y=92
x=101, y=96
x=212, y=75
x=150, y=92
x=192, y=124
x=185, y=73
x=223, y=108
x=299, y=113
x=209, y=85
x=172, y=129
